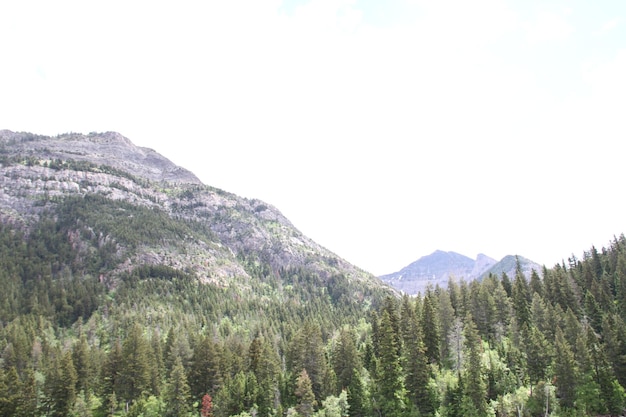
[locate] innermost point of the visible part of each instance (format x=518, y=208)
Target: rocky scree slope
x=109, y=192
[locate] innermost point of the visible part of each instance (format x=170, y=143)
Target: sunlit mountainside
x=439, y=267
x=130, y=288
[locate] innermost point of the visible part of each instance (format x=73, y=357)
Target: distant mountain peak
x=438, y=267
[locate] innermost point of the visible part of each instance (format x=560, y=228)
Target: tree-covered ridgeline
x=83, y=334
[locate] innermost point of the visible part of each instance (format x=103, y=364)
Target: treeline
x=156, y=342
x=507, y=347
x=58, y=164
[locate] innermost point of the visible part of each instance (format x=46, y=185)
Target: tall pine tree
x=177, y=394
x=390, y=396
x=474, y=385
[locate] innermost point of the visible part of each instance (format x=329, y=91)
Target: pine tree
x=596, y=263
x=503, y=306
x=593, y=311
x=454, y=292
x=430, y=326
x=474, y=384
x=356, y=397
x=135, y=371
x=389, y=372
x=611, y=393
x=111, y=378
x=345, y=359
x=587, y=387
x=390, y=306
x=484, y=310
x=565, y=371
x=407, y=314
x=446, y=319
x=521, y=297
x=81, y=406
x=265, y=369
x=572, y=328
x=157, y=370
x=251, y=392
x=453, y=399
x=418, y=373
x=536, y=285
x=177, y=394
x=375, y=351
x=306, y=351
x=60, y=386
x=28, y=399
x=80, y=356
x=304, y=393
x=206, y=375
x=231, y=399
x=255, y=352
x=620, y=282
x=506, y=284
x=565, y=290
x=10, y=389
x=177, y=346
x=615, y=345
x=538, y=354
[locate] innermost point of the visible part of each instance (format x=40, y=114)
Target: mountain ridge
x=440, y=266
x=38, y=173
x=108, y=148
x=123, y=295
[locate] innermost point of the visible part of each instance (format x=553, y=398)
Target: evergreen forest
x=153, y=340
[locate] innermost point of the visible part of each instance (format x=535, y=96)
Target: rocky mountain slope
x=508, y=265
x=110, y=149
x=438, y=267
x=102, y=186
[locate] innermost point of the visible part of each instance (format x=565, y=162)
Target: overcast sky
x=384, y=130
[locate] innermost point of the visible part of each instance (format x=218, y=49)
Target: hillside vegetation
x=124, y=295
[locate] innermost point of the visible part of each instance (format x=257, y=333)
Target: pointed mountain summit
x=508, y=265
x=438, y=267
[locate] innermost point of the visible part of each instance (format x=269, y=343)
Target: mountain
x=122, y=276
x=130, y=288
x=508, y=265
x=135, y=208
x=438, y=267
x=110, y=149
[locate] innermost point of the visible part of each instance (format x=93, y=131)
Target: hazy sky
x=384, y=130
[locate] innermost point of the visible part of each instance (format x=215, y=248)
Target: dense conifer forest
x=155, y=341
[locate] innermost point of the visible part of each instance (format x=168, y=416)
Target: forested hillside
x=159, y=342
x=76, y=343
x=123, y=295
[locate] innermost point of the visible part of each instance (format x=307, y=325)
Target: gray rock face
x=109, y=148
x=508, y=265
x=37, y=173
x=438, y=267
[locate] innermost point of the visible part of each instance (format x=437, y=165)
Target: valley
x=130, y=288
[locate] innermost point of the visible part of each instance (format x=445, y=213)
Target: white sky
x=382, y=130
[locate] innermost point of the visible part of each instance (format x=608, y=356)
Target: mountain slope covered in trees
x=127, y=294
